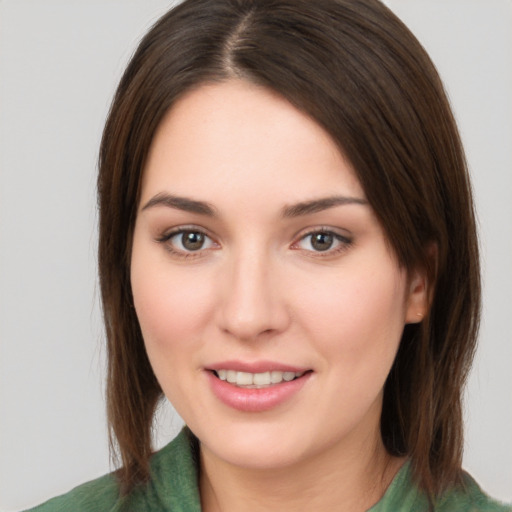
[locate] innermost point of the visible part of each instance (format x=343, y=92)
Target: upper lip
x=256, y=366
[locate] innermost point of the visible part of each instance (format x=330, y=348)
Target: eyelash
x=165, y=239
x=343, y=242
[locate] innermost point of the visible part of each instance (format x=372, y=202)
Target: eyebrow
x=181, y=203
x=296, y=210
x=318, y=205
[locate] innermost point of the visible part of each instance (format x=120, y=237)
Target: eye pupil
x=192, y=240
x=322, y=241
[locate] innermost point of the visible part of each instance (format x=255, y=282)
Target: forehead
x=238, y=138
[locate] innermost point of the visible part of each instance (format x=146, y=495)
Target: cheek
x=356, y=322
x=171, y=305
x=163, y=311
x=357, y=316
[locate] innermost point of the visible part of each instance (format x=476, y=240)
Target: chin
x=261, y=446
x=253, y=455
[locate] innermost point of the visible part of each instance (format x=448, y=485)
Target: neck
x=350, y=477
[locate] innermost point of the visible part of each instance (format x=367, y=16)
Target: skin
x=259, y=290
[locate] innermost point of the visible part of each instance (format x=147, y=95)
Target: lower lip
x=252, y=399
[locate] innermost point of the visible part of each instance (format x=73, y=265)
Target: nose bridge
x=252, y=302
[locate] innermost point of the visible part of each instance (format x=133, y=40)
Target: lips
x=255, y=387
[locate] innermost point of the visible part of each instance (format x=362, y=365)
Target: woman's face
x=256, y=260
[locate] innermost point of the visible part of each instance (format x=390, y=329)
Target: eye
x=187, y=241
x=323, y=241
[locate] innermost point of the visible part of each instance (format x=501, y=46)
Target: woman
x=288, y=253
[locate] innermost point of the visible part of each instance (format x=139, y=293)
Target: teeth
x=261, y=379
x=256, y=380
x=244, y=379
x=276, y=377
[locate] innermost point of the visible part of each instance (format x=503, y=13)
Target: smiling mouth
x=257, y=380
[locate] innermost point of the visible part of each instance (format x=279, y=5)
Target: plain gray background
x=59, y=64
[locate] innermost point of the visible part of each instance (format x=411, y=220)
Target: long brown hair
x=356, y=70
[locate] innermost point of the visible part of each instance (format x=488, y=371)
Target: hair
x=354, y=68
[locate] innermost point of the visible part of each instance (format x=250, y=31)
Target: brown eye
x=322, y=241
x=185, y=241
x=192, y=240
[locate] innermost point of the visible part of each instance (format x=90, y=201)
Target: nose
x=252, y=298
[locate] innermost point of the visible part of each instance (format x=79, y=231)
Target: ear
x=417, y=299
x=420, y=289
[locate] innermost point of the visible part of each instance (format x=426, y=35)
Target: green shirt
x=173, y=487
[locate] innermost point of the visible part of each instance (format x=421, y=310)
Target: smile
x=262, y=389
x=256, y=380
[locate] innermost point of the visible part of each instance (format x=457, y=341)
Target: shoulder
x=173, y=484
x=469, y=497
x=404, y=495
x=100, y=494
